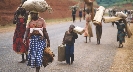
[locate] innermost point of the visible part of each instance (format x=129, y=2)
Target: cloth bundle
x=47, y=56
x=110, y=19
x=39, y=31
x=35, y=5
x=79, y=30
x=121, y=15
x=98, y=16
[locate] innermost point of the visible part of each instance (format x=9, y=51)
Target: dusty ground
x=123, y=61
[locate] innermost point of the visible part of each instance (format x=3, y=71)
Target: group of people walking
x=32, y=45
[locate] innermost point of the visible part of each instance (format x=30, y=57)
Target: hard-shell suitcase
x=61, y=53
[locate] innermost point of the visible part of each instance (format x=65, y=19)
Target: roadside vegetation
x=123, y=60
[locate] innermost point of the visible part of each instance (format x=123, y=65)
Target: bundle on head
x=47, y=56
x=37, y=5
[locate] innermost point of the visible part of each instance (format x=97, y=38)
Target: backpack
x=68, y=38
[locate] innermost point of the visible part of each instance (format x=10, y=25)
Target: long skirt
x=35, y=52
x=88, y=30
x=18, y=45
x=121, y=37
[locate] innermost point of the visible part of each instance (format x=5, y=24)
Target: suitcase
x=61, y=53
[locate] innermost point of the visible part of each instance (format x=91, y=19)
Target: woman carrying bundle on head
x=37, y=41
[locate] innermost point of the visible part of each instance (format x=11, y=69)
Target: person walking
x=88, y=28
x=74, y=14
x=80, y=14
x=69, y=40
x=20, y=21
x=37, y=44
x=98, y=33
x=121, y=33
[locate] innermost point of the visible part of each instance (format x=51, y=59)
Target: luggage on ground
x=61, y=53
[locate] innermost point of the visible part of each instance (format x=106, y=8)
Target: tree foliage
x=108, y=3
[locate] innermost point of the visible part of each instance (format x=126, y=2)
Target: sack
x=79, y=30
x=121, y=15
x=61, y=53
x=98, y=16
x=68, y=37
x=110, y=19
x=129, y=33
x=36, y=5
x=47, y=56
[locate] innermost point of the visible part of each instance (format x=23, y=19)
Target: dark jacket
x=73, y=35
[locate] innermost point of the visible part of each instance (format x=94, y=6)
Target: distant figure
x=84, y=12
x=121, y=33
x=73, y=14
x=113, y=14
x=125, y=11
x=129, y=17
x=110, y=13
x=80, y=14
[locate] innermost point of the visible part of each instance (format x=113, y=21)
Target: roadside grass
x=57, y=21
x=123, y=60
x=7, y=28
x=11, y=27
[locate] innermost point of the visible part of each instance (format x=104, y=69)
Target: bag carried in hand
x=48, y=56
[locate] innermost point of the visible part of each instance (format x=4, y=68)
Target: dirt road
x=89, y=57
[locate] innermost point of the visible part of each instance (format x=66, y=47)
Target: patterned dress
x=37, y=45
x=18, y=45
x=120, y=33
